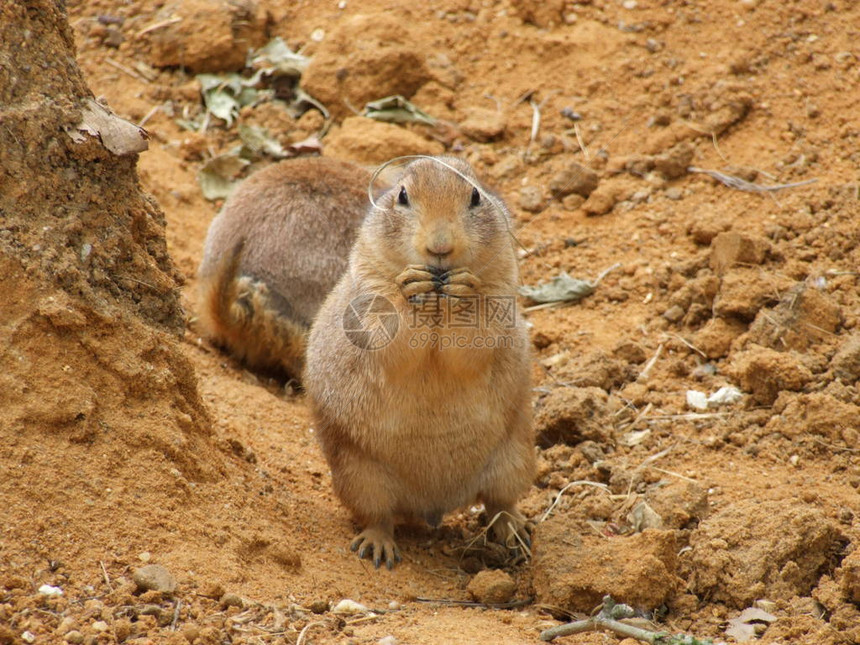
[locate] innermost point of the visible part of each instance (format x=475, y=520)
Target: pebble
x=576, y=178
x=394, y=605
x=674, y=313
x=74, y=637
x=154, y=577
x=482, y=124
x=48, y=590
x=319, y=606
x=492, y=586
x=100, y=626
x=232, y=600
x=674, y=193
x=28, y=637
x=387, y=640
x=531, y=199
x=348, y=607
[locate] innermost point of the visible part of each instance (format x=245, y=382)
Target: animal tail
x=238, y=313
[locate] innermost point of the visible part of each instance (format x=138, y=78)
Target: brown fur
x=273, y=253
x=414, y=430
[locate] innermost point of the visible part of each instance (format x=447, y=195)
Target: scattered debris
x=742, y=184
x=49, y=590
x=396, y=109
x=492, y=586
x=276, y=57
x=257, y=141
x=348, y=607
x=154, y=577
x=219, y=176
x=119, y=136
x=609, y=619
x=724, y=396
x=563, y=288
x=751, y=622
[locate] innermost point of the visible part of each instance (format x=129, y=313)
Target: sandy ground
x=753, y=503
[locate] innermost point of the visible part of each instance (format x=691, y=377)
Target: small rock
x=348, y=607
x=572, y=202
x=319, y=606
x=232, y=600
x=48, y=590
x=600, y=202
x=144, y=557
x=66, y=625
x=531, y=199
x=674, y=313
x=680, y=504
x=576, y=178
x=387, y=640
x=846, y=362
x=100, y=626
x=731, y=248
x=28, y=637
x=703, y=229
x=74, y=637
x=394, y=605
x=483, y=125
x=697, y=400
x=674, y=193
x=212, y=590
x=492, y=586
x=766, y=372
x=154, y=577
x=674, y=163
x=571, y=415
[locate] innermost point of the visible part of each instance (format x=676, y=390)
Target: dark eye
x=402, y=197
x=476, y=198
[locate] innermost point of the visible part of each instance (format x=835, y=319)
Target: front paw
x=459, y=283
x=415, y=281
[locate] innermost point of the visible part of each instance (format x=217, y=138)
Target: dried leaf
x=310, y=145
x=562, y=288
x=302, y=102
x=218, y=177
x=396, y=109
x=224, y=94
x=644, y=517
x=276, y=56
x=743, y=628
x=257, y=141
x=119, y=136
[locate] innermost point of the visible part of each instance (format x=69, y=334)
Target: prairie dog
x=411, y=427
x=273, y=253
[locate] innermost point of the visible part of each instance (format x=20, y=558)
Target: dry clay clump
x=751, y=550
